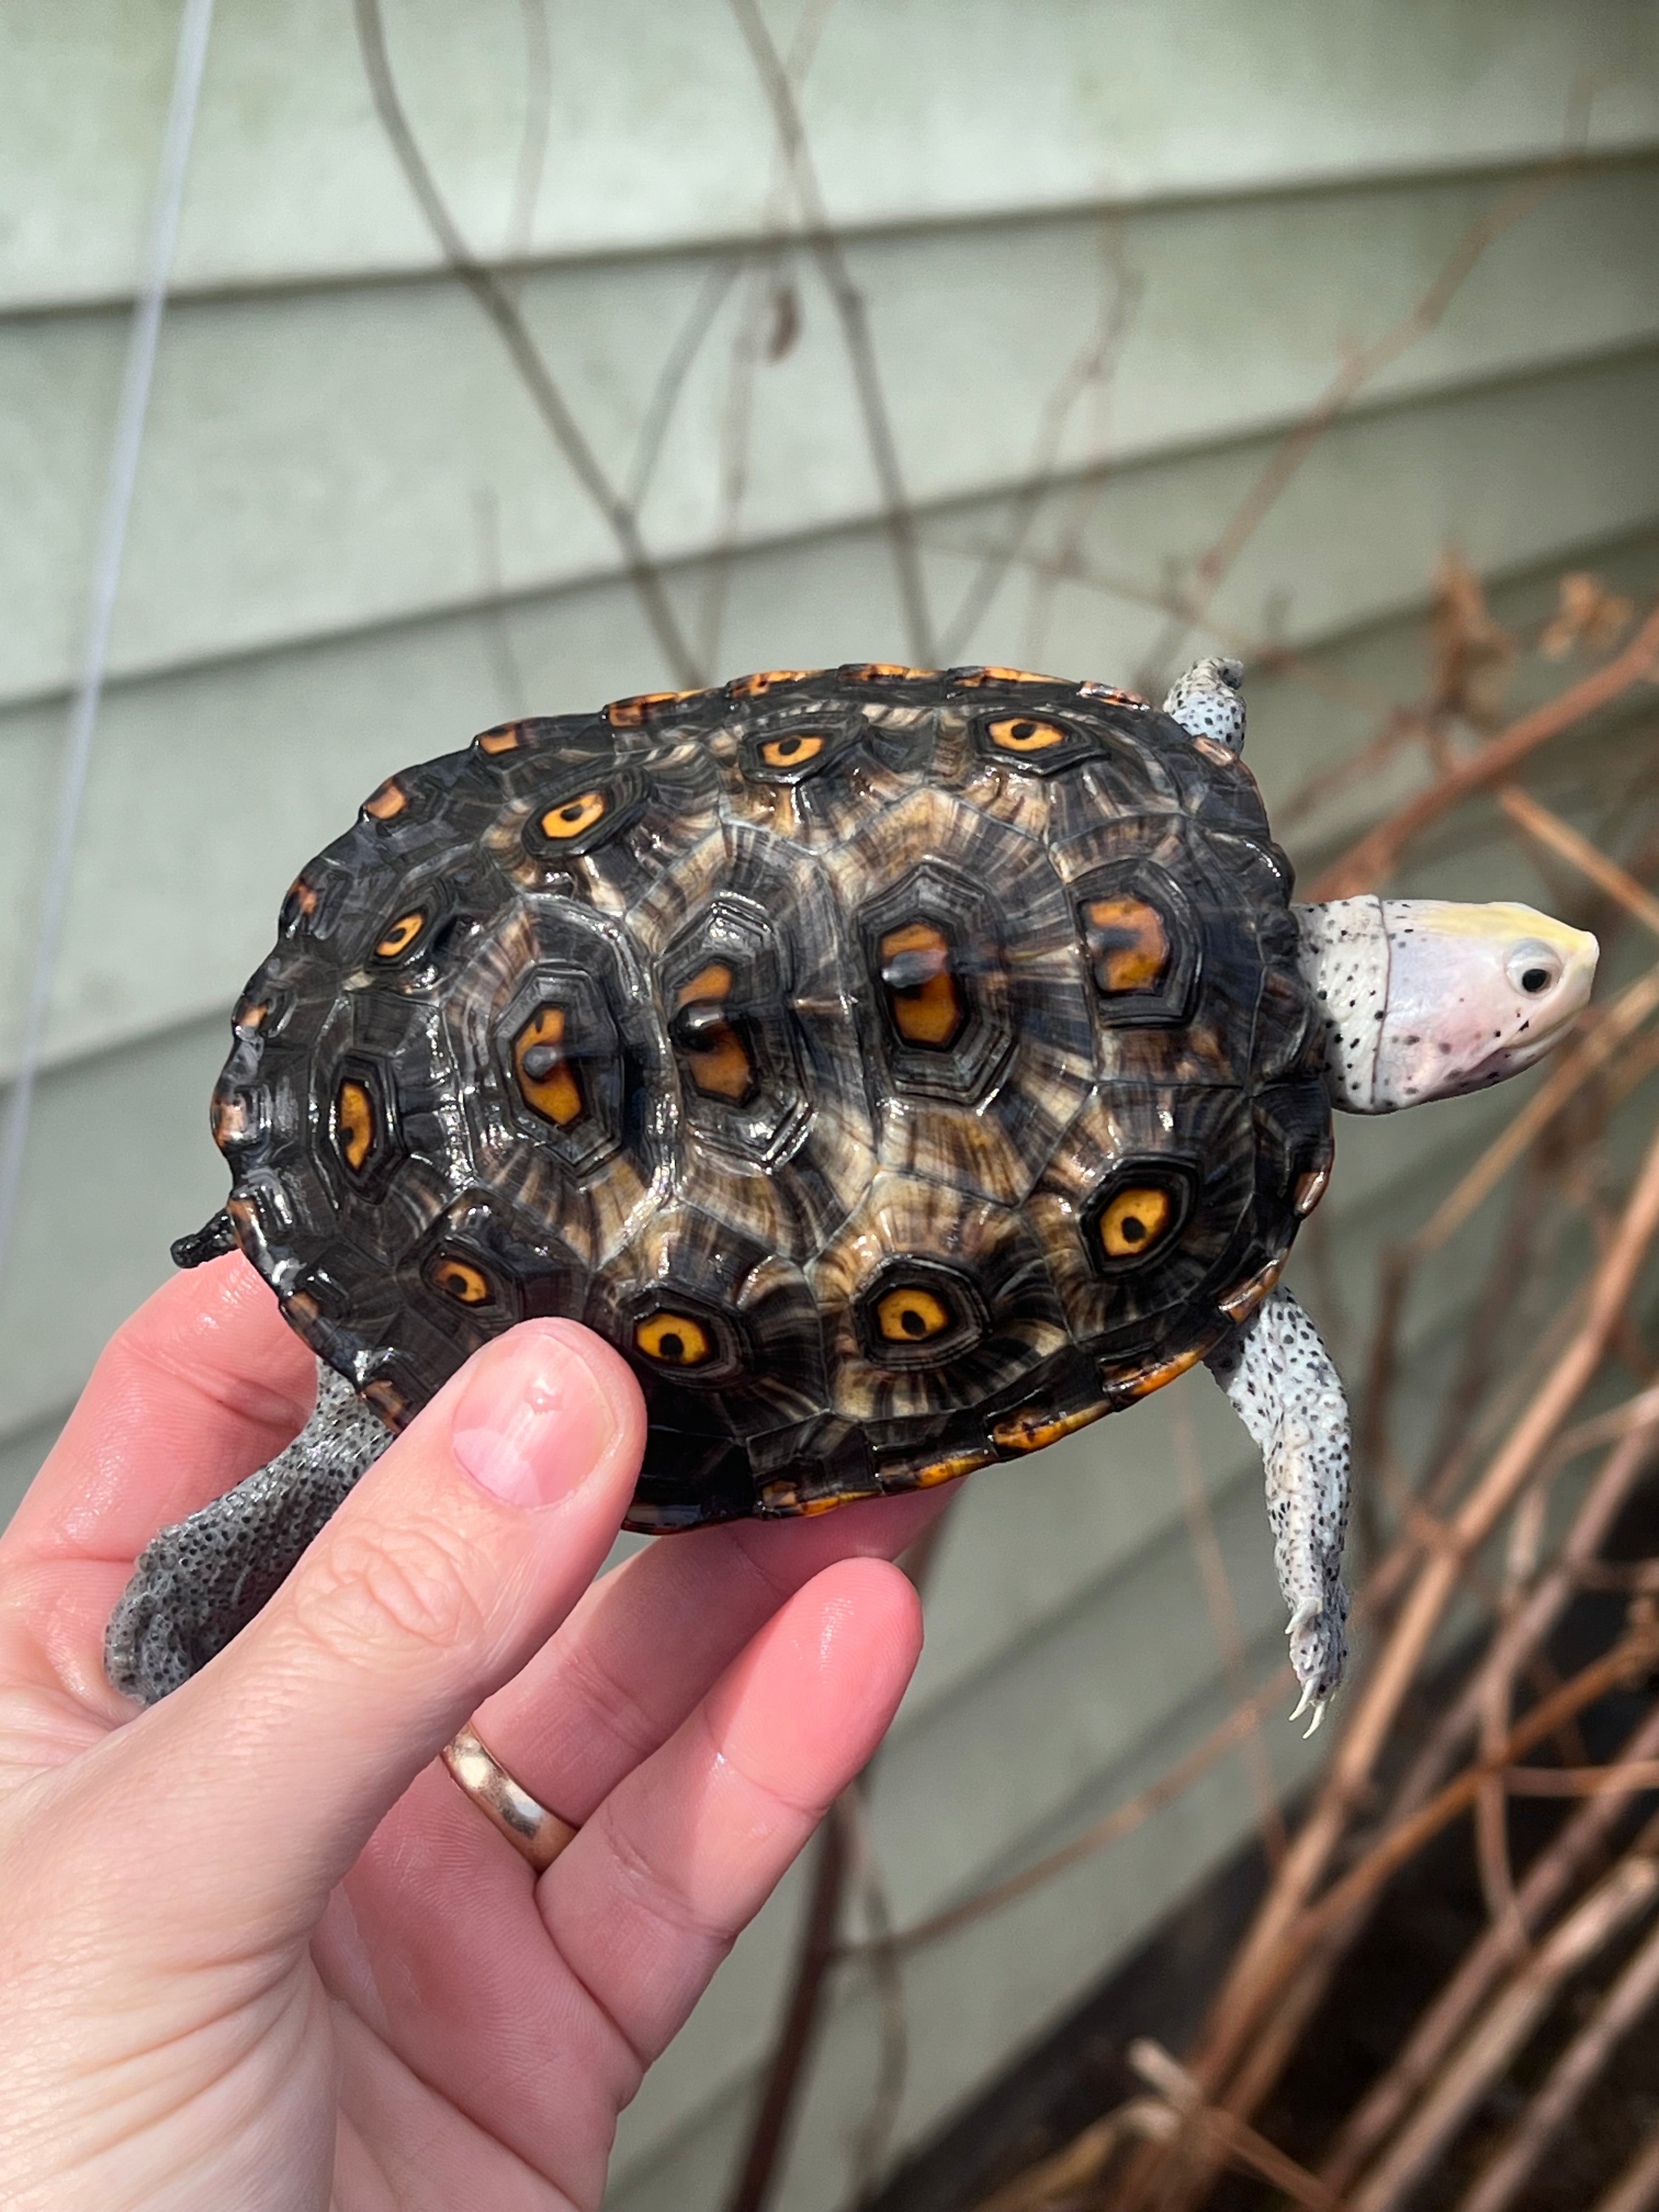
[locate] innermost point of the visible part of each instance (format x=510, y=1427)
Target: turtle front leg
x=195, y=1584
x=1279, y=1381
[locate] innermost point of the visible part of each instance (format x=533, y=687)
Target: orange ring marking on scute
x=750, y=687
x=506, y=739
x=1012, y=676
x=388, y=799
x=1029, y=1433
x=632, y=713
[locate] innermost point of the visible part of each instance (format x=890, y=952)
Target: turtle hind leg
x=1279, y=1381
x=195, y=1584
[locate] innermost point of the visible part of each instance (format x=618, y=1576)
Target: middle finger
x=450, y=1905
x=648, y=1641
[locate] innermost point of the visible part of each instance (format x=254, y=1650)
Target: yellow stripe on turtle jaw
x=1475, y=993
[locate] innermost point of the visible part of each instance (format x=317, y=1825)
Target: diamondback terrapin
x=900, y=1069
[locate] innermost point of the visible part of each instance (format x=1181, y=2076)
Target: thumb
x=456, y=1556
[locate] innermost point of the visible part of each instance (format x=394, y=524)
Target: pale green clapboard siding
x=318, y=463
x=354, y=544
x=217, y=766
x=915, y=109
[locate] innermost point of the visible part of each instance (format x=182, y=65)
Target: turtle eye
x=673, y=1340
x=911, y=1315
x=1534, y=968
x=1136, y=1220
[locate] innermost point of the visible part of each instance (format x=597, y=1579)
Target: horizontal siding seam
x=1163, y=1538
x=739, y=2078
x=1265, y=430
x=1578, y=553
x=1332, y=184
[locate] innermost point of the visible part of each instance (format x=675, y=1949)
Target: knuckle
x=371, y=1594
x=615, y=1707
x=652, y=1891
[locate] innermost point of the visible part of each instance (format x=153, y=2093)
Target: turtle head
x=1425, y=998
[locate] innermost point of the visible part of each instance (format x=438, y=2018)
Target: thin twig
x=1237, y=2143
x=1096, y=361
x=1547, y=1881
x=1361, y=367
x=1223, y=1619
x=1624, y=1894
x=893, y=2055
x=537, y=128
x=1367, y=864
x=1117, y=1823
x=815, y=1950
x=495, y=295
x=1636, y=2188
x=1516, y=1640
x=678, y=364
x=1056, y=2180
x=825, y=248
x=1624, y=1664
x=1238, y=2005
x=1561, y=838
x=1571, y=2076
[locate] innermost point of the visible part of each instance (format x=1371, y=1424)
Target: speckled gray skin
x=1279, y=1381
x=1421, y=1000
x=193, y=1588
x=1207, y=701
x=1345, y=957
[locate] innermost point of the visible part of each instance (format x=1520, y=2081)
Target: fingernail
x=534, y=1419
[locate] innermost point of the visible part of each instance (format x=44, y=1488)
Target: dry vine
x=1504, y=1462
x=1504, y=1450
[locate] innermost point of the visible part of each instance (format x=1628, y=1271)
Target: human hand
x=257, y=1948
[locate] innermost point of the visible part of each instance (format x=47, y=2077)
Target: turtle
x=902, y=1068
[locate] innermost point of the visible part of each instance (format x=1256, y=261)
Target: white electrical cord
x=130, y=416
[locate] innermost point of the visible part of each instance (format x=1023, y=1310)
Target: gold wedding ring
x=532, y=1831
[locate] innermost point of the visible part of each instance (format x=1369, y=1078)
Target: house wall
x=1109, y=256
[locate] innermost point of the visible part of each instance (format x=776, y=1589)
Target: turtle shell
x=900, y=1069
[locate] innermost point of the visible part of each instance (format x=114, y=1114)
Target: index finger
x=205, y=1382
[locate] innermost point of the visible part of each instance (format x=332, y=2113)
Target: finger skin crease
x=350, y=2026
x=246, y=1397
x=400, y=1577
x=811, y=1809
x=614, y=1706
x=639, y=2061
x=632, y=1872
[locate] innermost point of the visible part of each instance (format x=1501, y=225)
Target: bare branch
x=825, y=248
x=494, y=297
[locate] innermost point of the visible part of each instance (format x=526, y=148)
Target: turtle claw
x=1305, y=1615
x=1312, y=1728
